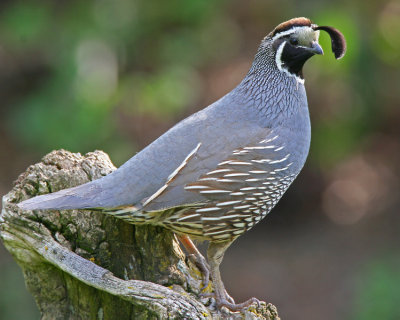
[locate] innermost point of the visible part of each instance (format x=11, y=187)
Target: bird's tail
x=74, y=198
x=80, y=197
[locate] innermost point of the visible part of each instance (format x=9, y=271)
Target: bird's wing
x=204, y=139
x=224, y=198
x=209, y=178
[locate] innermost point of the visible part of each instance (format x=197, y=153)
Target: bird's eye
x=294, y=41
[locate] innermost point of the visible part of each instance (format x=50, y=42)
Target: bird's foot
x=213, y=295
x=228, y=302
x=236, y=306
x=197, y=259
x=200, y=262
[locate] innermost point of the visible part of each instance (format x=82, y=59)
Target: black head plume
x=337, y=39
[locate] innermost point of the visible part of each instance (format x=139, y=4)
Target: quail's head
x=293, y=42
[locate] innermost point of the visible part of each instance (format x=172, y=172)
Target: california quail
x=217, y=173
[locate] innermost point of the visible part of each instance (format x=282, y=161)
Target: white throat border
x=280, y=66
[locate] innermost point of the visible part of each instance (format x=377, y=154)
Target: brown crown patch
x=295, y=22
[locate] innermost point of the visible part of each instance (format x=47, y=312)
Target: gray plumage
x=243, y=117
x=257, y=109
x=218, y=172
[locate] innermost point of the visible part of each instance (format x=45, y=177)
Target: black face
x=293, y=56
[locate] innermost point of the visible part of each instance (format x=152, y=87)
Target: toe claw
x=229, y=298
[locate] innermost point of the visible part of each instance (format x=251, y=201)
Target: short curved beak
x=316, y=48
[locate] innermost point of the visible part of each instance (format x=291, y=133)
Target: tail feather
x=81, y=197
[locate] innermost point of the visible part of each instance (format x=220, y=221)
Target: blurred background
x=114, y=75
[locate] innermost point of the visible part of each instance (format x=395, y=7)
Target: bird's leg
x=215, y=255
x=197, y=258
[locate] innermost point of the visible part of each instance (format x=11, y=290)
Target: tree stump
x=82, y=264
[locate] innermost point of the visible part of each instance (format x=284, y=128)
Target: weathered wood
x=80, y=264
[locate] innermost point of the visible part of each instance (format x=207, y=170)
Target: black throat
x=293, y=59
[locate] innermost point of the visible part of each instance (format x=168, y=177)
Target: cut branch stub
x=81, y=264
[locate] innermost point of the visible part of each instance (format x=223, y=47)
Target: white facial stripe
x=279, y=55
x=284, y=33
x=280, y=66
x=293, y=30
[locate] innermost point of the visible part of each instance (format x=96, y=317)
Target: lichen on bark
x=81, y=264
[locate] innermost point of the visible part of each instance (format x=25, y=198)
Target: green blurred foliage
x=103, y=58
x=90, y=50
x=378, y=291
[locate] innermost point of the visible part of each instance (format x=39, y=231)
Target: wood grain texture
x=81, y=264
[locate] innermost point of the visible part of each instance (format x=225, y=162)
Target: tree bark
x=80, y=264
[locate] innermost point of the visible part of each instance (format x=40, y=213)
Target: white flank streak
x=225, y=162
x=237, y=194
x=258, y=171
x=269, y=140
x=240, y=163
x=281, y=169
x=188, y=217
x=208, y=209
x=232, y=216
x=172, y=175
x=218, y=171
x=260, y=147
x=248, y=188
x=262, y=161
x=278, y=62
x=196, y=187
x=240, y=152
x=279, y=149
x=240, y=174
x=208, y=179
x=242, y=207
x=253, y=180
x=227, y=180
x=280, y=160
x=228, y=203
x=214, y=191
